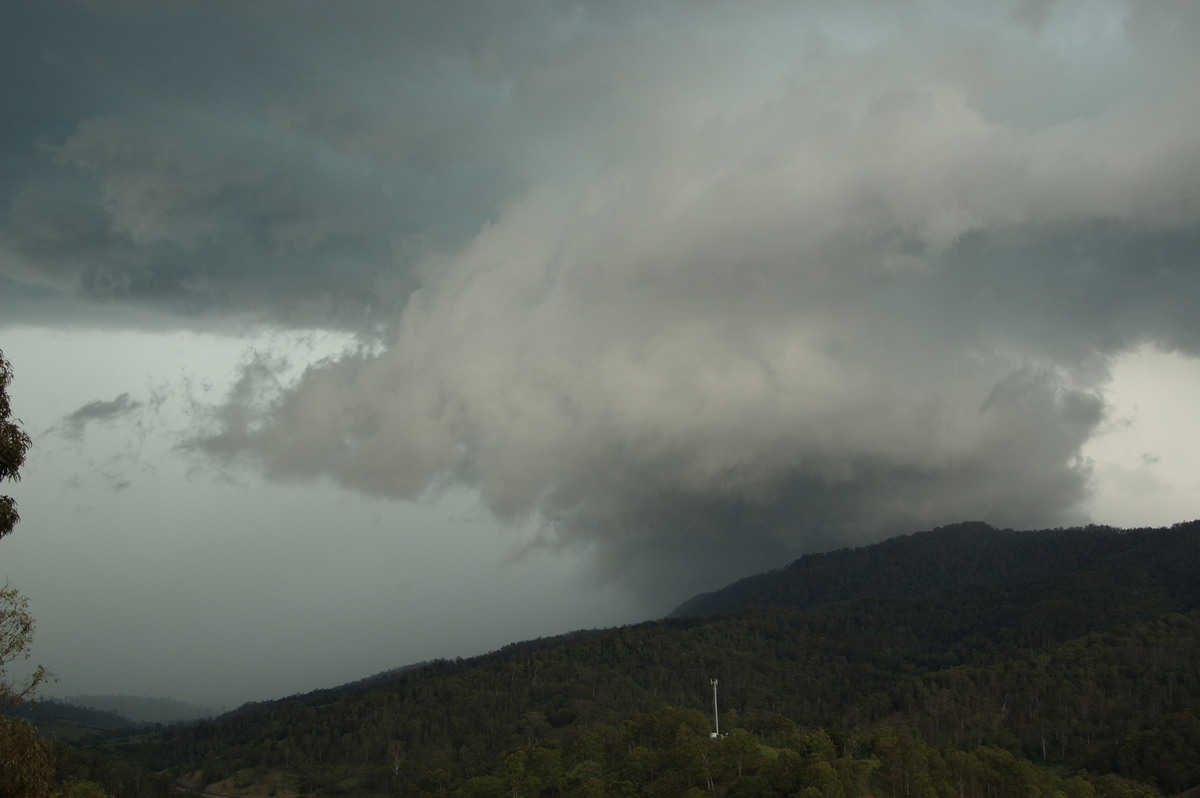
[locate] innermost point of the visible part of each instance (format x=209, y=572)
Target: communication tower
x=716, y=717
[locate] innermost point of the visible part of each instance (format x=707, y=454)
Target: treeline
x=94, y=774
x=1122, y=701
x=1073, y=683
x=671, y=753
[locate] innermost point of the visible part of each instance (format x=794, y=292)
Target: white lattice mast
x=716, y=715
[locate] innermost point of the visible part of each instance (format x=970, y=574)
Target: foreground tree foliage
x=1076, y=683
x=670, y=753
x=16, y=633
x=14, y=443
x=26, y=760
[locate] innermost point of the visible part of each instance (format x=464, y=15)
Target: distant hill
x=64, y=721
x=962, y=661
x=960, y=556
x=141, y=709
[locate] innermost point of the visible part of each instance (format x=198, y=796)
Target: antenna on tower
x=716, y=716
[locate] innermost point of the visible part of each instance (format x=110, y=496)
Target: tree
x=26, y=761
x=14, y=443
x=16, y=624
x=16, y=633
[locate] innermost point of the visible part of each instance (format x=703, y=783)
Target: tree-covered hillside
x=1074, y=682
x=957, y=556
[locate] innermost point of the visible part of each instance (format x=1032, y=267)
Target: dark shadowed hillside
x=959, y=556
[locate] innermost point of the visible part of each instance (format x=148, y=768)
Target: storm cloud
x=699, y=287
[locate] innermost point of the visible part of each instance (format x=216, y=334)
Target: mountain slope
x=857, y=668
x=959, y=556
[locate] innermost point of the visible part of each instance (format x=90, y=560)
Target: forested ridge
x=960, y=555
x=1077, y=676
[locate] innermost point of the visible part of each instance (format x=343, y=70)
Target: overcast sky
x=354, y=334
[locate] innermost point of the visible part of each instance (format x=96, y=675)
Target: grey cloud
x=687, y=284
x=294, y=161
x=271, y=160
x=75, y=424
x=198, y=221
x=110, y=475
